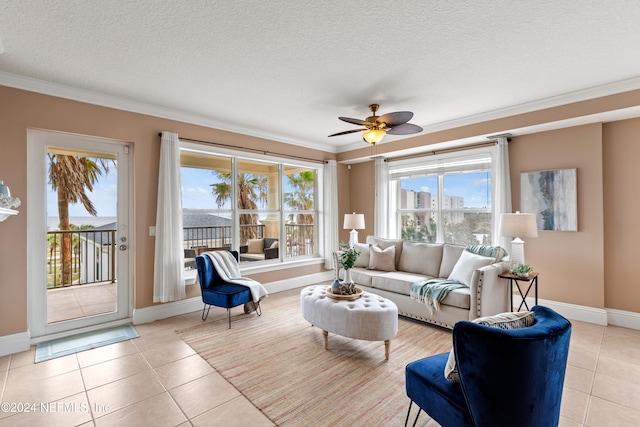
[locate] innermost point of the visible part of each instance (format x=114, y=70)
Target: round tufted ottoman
x=369, y=317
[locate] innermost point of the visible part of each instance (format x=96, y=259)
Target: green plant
x=521, y=269
x=348, y=256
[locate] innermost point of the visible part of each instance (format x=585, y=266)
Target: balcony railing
x=93, y=257
x=93, y=252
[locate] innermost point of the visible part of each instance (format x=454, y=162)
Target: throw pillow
x=363, y=259
x=507, y=320
x=385, y=243
x=497, y=252
x=255, y=246
x=468, y=263
x=382, y=259
x=274, y=245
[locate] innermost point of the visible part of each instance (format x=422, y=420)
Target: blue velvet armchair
x=508, y=377
x=219, y=293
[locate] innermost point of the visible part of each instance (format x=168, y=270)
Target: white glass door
x=78, y=234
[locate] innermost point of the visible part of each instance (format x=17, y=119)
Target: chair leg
x=406, y=420
x=204, y=316
x=417, y=415
x=257, y=308
x=229, y=316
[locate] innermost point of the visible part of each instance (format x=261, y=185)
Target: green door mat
x=85, y=341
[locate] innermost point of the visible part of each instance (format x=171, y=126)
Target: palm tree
x=252, y=189
x=71, y=176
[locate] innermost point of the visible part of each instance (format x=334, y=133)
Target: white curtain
x=380, y=210
x=168, y=276
x=502, y=190
x=330, y=207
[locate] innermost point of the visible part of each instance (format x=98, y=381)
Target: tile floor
x=78, y=301
x=152, y=380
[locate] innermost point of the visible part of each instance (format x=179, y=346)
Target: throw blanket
x=431, y=292
x=228, y=269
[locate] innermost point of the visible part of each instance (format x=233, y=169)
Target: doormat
x=86, y=341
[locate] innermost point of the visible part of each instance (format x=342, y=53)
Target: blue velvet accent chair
x=508, y=377
x=219, y=293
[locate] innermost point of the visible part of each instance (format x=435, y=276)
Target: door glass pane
x=81, y=240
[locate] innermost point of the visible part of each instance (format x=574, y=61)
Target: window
x=443, y=199
x=264, y=208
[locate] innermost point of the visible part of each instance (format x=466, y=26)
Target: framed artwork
x=551, y=195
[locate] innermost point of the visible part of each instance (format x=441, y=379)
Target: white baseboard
x=169, y=309
x=625, y=319
x=296, y=282
x=598, y=316
x=176, y=308
x=15, y=343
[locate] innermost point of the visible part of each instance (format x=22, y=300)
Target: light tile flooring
x=159, y=380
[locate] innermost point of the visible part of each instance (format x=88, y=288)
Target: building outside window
x=446, y=198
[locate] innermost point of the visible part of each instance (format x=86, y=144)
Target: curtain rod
x=252, y=150
x=444, y=150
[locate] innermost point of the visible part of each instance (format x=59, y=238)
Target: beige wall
x=570, y=264
x=21, y=110
x=592, y=267
x=621, y=153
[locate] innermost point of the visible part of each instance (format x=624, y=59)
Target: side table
x=532, y=280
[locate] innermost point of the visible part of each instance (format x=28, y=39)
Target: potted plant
x=521, y=270
x=347, y=260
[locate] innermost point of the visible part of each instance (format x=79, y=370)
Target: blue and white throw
x=430, y=292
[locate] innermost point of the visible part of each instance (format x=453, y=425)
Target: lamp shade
x=353, y=221
x=373, y=136
x=518, y=225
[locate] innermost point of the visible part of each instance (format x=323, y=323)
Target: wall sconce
x=518, y=225
x=7, y=202
x=354, y=222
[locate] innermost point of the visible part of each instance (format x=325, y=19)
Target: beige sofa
x=485, y=295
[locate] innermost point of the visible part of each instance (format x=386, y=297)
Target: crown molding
x=103, y=100
x=529, y=107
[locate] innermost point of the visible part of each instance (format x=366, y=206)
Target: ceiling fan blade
x=347, y=132
x=395, y=119
x=404, y=129
x=354, y=121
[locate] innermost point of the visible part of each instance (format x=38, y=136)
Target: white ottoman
x=369, y=317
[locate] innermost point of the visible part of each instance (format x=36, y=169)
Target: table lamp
x=354, y=222
x=518, y=225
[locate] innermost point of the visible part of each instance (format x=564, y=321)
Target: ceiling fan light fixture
x=373, y=136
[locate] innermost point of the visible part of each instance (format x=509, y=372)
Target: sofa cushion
x=509, y=320
x=382, y=259
x=363, y=258
x=465, y=266
x=398, y=282
x=255, y=246
x=361, y=276
x=421, y=258
x=385, y=243
x=450, y=255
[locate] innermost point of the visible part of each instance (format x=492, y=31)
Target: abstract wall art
x=551, y=195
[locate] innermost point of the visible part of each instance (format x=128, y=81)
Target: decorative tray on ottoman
x=351, y=297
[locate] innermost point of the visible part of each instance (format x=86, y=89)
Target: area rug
x=278, y=362
x=76, y=343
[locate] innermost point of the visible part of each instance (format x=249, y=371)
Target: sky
x=197, y=194
x=474, y=187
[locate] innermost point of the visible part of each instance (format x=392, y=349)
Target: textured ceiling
x=287, y=69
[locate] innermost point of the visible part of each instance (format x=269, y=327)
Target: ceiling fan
x=376, y=127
